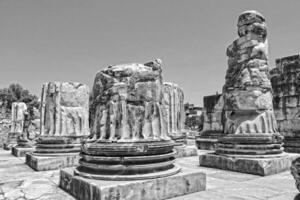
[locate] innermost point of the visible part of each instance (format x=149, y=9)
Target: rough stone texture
x=295, y=171
x=64, y=109
x=213, y=122
x=44, y=163
x=193, y=117
x=185, y=150
x=18, y=110
x=285, y=79
x=21, y=152
x=5, y=126
x=258, y=166
x=247, y=91
x=127, y=103
x=64, y=118
x=128, y=125
x=18, y=179
x=173, y=108
x=185, y=182
x=250, y=124
x=20, y=182
x=252, y=143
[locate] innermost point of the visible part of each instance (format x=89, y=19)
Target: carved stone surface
x=64, y=123
x=250, y=124
x=18, y=110
x=213, y=122
x=64, y=111
x=173, y=109
x=285, y=79
x=249, y=115
x=128, y=125
x=295, y=171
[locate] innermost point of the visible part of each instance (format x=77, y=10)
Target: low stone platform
x=43, y=163
x=206, y=143
x=21, y=152
x=185, y=150
x=258, y=166
x=187, y=181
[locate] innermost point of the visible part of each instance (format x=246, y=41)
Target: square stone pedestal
x=185, y=151
x=187, y=181
x=206, y=143
x=43, y=163
x=257, y=166
x=21, y=151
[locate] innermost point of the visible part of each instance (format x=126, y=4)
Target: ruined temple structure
x=250, y=126
x=213, y=122
x=129, y=140
x=64, y=124
x=17, y=124
x=285, y=80
x=173, y=108
x=193, y=117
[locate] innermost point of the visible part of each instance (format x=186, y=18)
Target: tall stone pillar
x=250, y=124
x=130, y=140
x=64, y=121
x=17, y=117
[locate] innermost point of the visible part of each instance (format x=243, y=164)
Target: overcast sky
x=70, y=40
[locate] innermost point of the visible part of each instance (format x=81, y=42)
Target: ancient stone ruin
x=129, y=127
x=128, y=120
x=18, y=110
x=173, y=108
x=64, y=123
x=213, y=114
x=285, y=79
x=250, y=124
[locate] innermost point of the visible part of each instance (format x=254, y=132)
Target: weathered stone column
x=250, y=124
x=173, y=108
x=64, y=120
x=17, y=116
x=130, y=141
x=128, y=120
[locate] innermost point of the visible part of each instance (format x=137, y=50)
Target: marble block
x=21, y=152
x=44, y=163
x=185, y=182
x=262, y=166
x=185, y=151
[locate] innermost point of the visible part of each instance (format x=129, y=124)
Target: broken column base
x=21, y=151
x=51, y=162
x=185, y=182
x=185, y=151
x=291, y=144
x=262, y=166
x=207, y=143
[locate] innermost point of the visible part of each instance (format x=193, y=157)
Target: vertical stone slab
x=173, y=108
x=64, y=125
x=64, y=110
x=18, y=110
x=213, y=115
